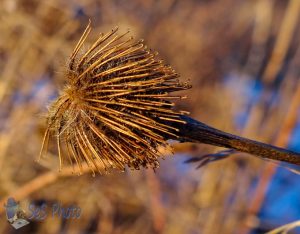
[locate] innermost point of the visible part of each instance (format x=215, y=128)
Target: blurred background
x=243, y=60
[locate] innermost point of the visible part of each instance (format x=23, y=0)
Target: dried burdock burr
x=117, y=109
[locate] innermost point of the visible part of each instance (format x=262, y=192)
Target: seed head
x=113, y=110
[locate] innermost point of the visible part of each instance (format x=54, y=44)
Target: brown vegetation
x=204, y=41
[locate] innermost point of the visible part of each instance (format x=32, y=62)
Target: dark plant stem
x=195, y=131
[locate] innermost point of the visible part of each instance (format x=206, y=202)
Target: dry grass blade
x=285, y=228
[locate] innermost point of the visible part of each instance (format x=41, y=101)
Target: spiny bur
x=117, y=109
x=110, y=113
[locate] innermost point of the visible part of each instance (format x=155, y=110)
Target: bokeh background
x=243, y=60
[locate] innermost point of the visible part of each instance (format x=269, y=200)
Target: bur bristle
x=110, y=113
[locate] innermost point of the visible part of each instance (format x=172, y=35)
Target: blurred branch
x=283, y=41
x=40, y=182
x=285, y=228
x=157, y=208
x=282, y=140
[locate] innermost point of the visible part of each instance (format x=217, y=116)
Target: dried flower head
x=111, y=112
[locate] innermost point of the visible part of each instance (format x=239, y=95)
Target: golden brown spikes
x=79, y=44
x=110, y=113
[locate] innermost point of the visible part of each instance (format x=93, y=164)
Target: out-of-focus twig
x=40, y=182
x=285, y=228
x=282, y=140
x=283, y=40
x=155, y=196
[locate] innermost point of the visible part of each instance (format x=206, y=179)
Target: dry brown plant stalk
x=117, y=109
